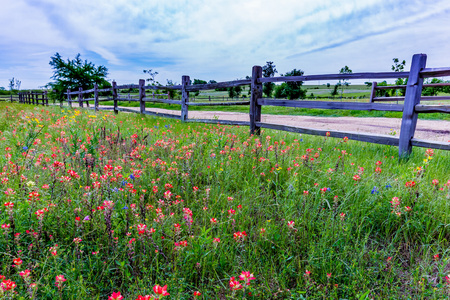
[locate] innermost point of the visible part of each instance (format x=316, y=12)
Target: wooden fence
x=410, y=108
x=28, y=98
x=375, y=87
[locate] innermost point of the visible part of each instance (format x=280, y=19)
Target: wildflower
x=291, y=224
x=307, y=273
x=8, y=285
x=116, y=296
x=141, y=228
x=25, y=274
x=262, y=231
x=197, y=293
x=239, y=236
x=410, y=184
x=213, y=220
x=328, y=275
x=408, y=208
x=17, y=261
x=77, y=240
x=159, y=290
x=235, y=285
x=436, y=257
x=435, y=182
x=246, y=277
x=342, y=216
x=327, y=134
x=374, y=190
x=356, y=178
x=59, y=280
x=146, y=297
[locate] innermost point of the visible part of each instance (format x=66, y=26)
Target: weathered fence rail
x=28, y=98
x=410, y=108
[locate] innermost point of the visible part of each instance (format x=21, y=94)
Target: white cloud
x=218, y=39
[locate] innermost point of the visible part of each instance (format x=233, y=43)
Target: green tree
x=292, y=89
x=151, y=78
x=234, y=91
x=344, y=82
x=172, y=93
x=399, y=66
x=335, y=90
x=432, y=91
x=269, y=70
x=72, y=74
x=198, y=81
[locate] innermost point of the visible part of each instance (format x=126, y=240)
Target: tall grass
x=124, y=203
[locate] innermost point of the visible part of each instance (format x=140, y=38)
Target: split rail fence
x=410, y=108
x=28, y=98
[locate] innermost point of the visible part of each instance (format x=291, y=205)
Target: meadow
x=104, y=206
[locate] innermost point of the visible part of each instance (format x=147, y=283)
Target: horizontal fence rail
x=410, y=106
x=36, y=98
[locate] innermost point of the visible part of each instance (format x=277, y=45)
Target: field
x=104, y=206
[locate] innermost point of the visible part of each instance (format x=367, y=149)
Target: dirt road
x=426, y=129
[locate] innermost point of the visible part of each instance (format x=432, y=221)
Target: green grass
x=343, y=227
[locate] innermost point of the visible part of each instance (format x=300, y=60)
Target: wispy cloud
x=218, y=39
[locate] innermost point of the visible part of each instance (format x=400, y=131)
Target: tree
x=18, y=83
x=172, y=93
x=291, y=89
x=72, y=74
x=399, y=67
x=234, y=91
x=344, y=82
x=335, y=90
x=151, y=75
x=198, y=81
x=11, y=84
x=432, y=91
x=269, y=70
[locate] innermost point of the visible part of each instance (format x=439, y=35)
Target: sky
x=218, y=39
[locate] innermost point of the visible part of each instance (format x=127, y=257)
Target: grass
x=124, y=203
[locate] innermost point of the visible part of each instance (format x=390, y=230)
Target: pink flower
x=197, y=293
x=160, y=290
x=25, y=274
x=246, y=277
x=291, y=224
x=17, y=261
x=59, y=280
x=239, y=236
x=8, y=285
x=146, y=297
x=116, y=296
x=235, y=285
x=307, y=273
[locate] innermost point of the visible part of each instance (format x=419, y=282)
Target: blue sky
x=218, y=39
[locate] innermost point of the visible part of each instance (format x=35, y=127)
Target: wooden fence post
x=69, y=98
x=96, y=96
x=141, y=95
x=114, y=94
x=46, y=98
x=255, y=109
x=80, y=97
x=373, y=93
x=412, y=98
x=185, y=81
x=43, y=99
